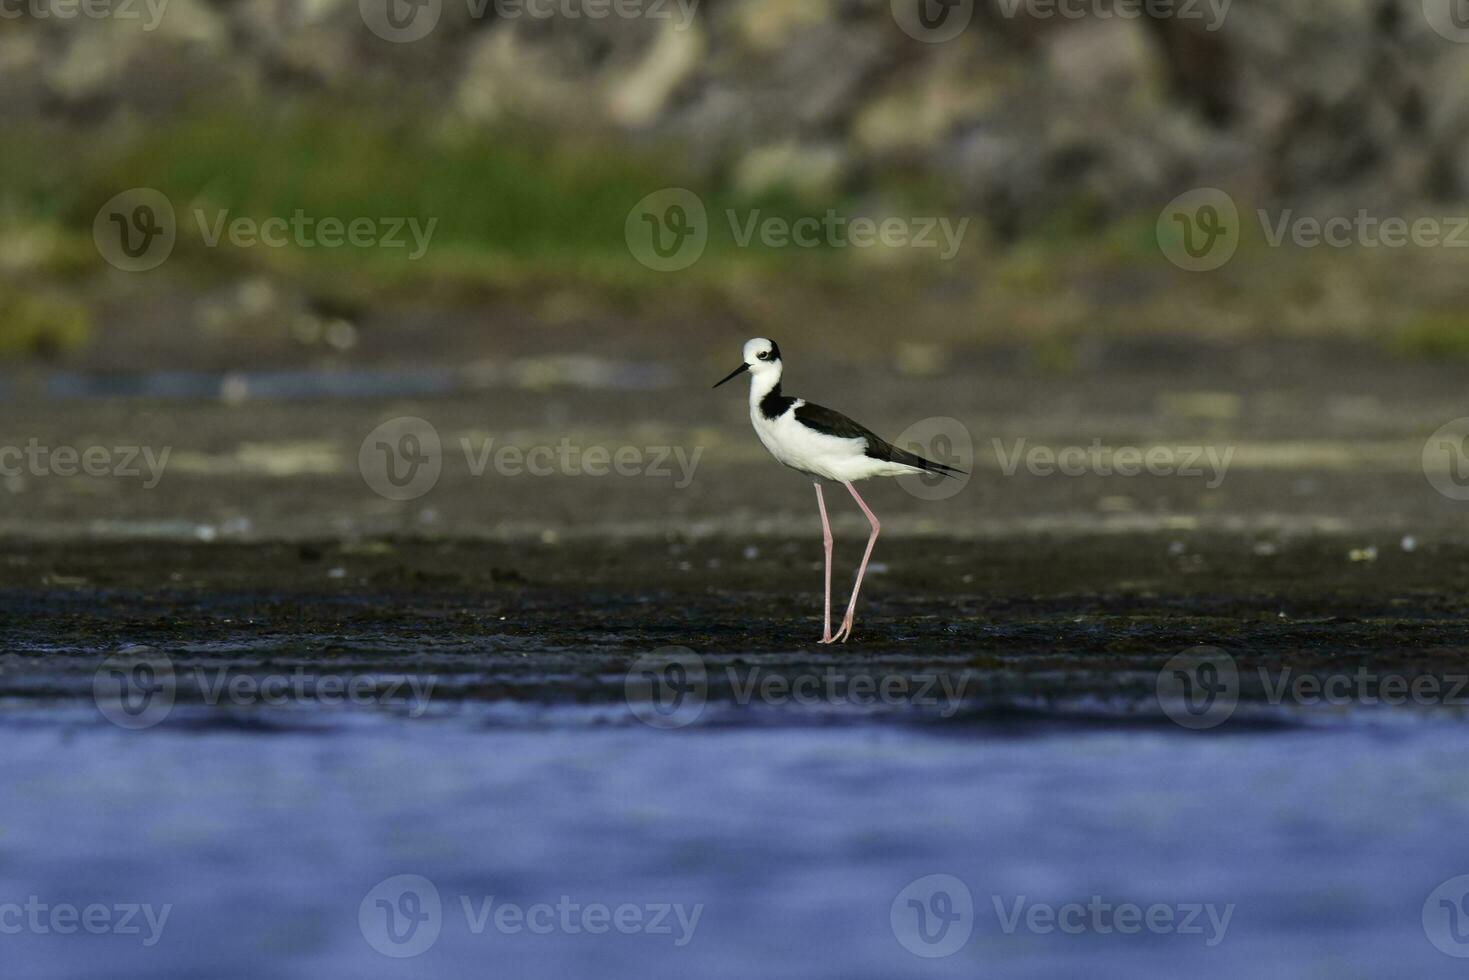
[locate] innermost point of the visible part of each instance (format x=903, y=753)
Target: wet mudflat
x=464, y=687
x=555, y=623
x=499, y=755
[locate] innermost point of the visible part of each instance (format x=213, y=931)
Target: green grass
x=1442, y=336
x=510, y=206
x=525, y=214
x=36, y=323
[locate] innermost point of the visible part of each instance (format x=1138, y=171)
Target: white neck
x=762, y=380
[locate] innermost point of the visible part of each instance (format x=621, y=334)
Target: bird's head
x=762, y=357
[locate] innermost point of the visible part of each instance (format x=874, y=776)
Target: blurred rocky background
x=527, y=130
x=1022, y=116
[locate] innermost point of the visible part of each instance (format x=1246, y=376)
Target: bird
x=825, y=445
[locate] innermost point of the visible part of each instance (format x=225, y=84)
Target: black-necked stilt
x=824, y=444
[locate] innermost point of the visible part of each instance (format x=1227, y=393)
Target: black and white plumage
x=813, y=439
x=824, y=444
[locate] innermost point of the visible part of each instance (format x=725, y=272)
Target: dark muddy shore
x=1020, y=621
x=1328, y=542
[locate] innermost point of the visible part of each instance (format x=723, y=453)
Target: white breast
x=816, y=453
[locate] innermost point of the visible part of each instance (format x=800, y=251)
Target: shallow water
x=790, y=836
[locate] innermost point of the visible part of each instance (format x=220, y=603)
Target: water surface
x=791, y=836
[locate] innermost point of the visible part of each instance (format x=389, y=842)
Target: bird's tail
x=928, y=465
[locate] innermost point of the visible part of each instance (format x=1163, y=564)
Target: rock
x=1107, y=59
x=194, y=22
x=810, y=170
x=919, y=107
x=639, y=97
x=768, y=25
x=89, y=66
x=1447, y=122
x=523, y=69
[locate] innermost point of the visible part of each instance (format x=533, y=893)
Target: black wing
x=831, y=423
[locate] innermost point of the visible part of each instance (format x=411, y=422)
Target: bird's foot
x=843, y=634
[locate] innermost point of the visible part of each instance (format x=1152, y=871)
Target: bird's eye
x=764, y=355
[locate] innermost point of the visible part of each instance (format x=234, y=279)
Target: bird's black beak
x=735, y=373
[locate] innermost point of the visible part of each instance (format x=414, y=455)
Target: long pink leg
x=826, y=540
x=846, y=630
